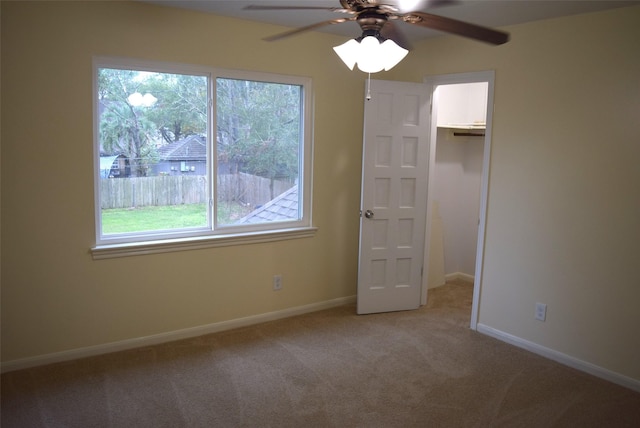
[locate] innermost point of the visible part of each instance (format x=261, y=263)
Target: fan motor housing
x=371, y=20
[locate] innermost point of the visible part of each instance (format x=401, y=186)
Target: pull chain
x=368, y=97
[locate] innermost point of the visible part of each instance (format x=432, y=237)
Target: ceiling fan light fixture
x=392, y=54
x=370, y=58
x=370, y=55
x=348, y=52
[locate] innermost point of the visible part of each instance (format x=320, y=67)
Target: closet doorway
x=458, y=180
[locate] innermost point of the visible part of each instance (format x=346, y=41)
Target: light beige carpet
x=332, y=368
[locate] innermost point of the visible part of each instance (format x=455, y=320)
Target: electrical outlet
x=277, y=282
x=541, y=311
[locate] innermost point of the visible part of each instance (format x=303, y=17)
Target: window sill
x=111, y=251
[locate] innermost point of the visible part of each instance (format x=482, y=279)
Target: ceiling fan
x=376, y=17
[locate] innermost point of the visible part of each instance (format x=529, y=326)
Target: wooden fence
x=186, y=189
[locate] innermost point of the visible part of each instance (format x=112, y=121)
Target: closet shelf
x=465, y=126
x=465, y=130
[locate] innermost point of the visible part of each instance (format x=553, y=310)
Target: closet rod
x=467, y=134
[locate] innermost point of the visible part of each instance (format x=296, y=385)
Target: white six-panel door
x=394, y=196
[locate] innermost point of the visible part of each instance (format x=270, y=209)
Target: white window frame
x=109, y=246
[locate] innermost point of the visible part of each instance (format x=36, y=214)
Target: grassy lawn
x=124, y=220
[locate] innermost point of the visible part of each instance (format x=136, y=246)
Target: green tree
x=259, y=127
x=124, y=127
x=181, y=109
x=173, y=106
x=258, y=123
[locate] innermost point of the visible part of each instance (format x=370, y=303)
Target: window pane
x=259, y=141
x=153, y=151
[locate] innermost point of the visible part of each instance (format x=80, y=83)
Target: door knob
x=368, y=214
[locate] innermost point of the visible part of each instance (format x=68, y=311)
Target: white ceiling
x=490, y=13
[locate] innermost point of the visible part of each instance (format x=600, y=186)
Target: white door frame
x=433, y=82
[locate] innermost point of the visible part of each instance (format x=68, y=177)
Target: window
x=186, y=153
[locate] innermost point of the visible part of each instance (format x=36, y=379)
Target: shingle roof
x=193, y=147
x=283, y=207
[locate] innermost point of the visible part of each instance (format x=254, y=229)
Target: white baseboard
x=561, y=358
x=156, y=339
x=459, y=275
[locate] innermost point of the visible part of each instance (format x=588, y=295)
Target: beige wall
x=564, y=197
x=564, y=212
x=55, y=297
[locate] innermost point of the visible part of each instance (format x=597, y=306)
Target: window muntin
x=155, y=120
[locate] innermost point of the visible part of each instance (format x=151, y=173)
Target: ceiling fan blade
x=440, y=3
x=429, y=4
x=454, y=26
x=258, y=7
x=299, y=30
x=390, y=31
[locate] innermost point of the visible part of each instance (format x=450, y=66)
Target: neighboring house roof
x=193, y=147
x=283, y=207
